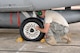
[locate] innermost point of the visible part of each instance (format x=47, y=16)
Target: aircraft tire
x=28, y=31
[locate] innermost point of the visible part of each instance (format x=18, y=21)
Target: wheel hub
x=30, y=31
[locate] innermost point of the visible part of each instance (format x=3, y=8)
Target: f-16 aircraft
x=22, y=14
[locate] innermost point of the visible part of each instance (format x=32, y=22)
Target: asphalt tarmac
x=8, y=43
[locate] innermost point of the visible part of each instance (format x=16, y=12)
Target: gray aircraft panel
x=31, y=5
x=15, y=5
x=70, y=15
x=47, y=4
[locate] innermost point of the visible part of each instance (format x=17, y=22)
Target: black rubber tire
x=37, y=21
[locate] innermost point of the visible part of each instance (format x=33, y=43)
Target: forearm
x=45, y=29
x=42, y=30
